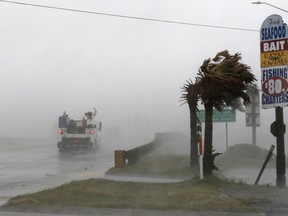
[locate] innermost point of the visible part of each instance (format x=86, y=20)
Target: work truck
x=78, y=135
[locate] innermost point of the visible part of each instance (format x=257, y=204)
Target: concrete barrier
x=131, y=156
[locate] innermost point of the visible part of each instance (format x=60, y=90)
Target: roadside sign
x=274, y=62
x=253, y=109
x=227, y=115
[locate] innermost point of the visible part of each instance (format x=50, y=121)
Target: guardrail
x=130, y=157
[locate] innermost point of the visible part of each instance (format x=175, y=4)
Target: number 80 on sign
x=274, y=86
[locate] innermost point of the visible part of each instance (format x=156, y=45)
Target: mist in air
x=130, y=70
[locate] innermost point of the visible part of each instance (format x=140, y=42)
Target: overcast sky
x=131, y=70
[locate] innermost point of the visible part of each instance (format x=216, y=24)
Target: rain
x=128, y=59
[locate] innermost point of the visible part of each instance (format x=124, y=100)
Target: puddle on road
x=88, y=174
x=249, y=176
x=142, y=179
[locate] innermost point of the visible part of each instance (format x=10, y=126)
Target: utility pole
x=253, y=111
x=253, y=117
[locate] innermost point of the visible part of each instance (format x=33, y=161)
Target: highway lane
x=27, y=167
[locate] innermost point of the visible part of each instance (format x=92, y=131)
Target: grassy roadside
x=158, y=165
x=210, y=194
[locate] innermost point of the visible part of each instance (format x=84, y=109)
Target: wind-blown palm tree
x=191, y=96
x=223, y=81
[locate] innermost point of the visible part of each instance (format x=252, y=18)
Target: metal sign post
x=200, y=153
x=280, y=157
x=253, y=112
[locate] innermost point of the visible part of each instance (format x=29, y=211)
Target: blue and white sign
x=274, y=62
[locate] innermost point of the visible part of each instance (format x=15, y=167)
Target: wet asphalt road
x=132, y=212
x=26, y=168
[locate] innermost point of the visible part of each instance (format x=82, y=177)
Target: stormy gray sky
x=131, y=70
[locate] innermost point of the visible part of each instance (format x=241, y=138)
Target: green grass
x=163, y=166
x=208, y=195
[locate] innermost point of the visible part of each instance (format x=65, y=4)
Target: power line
x=130, y=17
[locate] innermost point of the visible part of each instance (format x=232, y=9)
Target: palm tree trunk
x=208, y=160
x=193, y=131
